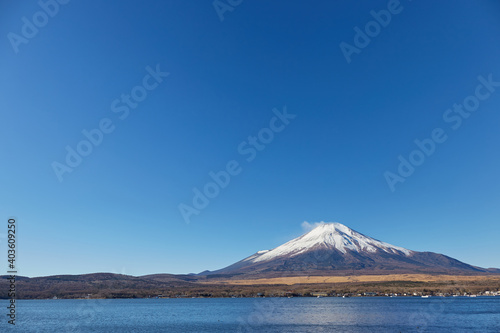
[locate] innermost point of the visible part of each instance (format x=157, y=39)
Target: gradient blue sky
x=118, y=210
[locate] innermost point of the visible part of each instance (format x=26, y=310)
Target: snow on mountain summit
x=328, y=236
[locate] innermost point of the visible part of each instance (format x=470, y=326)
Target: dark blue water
x=283, y=315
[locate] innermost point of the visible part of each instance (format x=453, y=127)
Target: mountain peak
x=331, y=227
x=333, y=249
x=333, y=236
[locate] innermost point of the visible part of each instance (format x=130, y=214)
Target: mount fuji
x=335, y=249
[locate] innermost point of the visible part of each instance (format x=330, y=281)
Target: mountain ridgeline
x=329, y=250
x=334, y=249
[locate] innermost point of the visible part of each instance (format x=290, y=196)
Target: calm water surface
x=283, y=315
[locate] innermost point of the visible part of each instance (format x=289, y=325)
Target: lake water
x=283, y=315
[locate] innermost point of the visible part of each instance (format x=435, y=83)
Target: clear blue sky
x=118, y=210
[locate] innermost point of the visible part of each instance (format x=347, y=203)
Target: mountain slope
x=333, y=248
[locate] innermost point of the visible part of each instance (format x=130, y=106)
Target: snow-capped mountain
x=328, y=236
x=333, y=248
